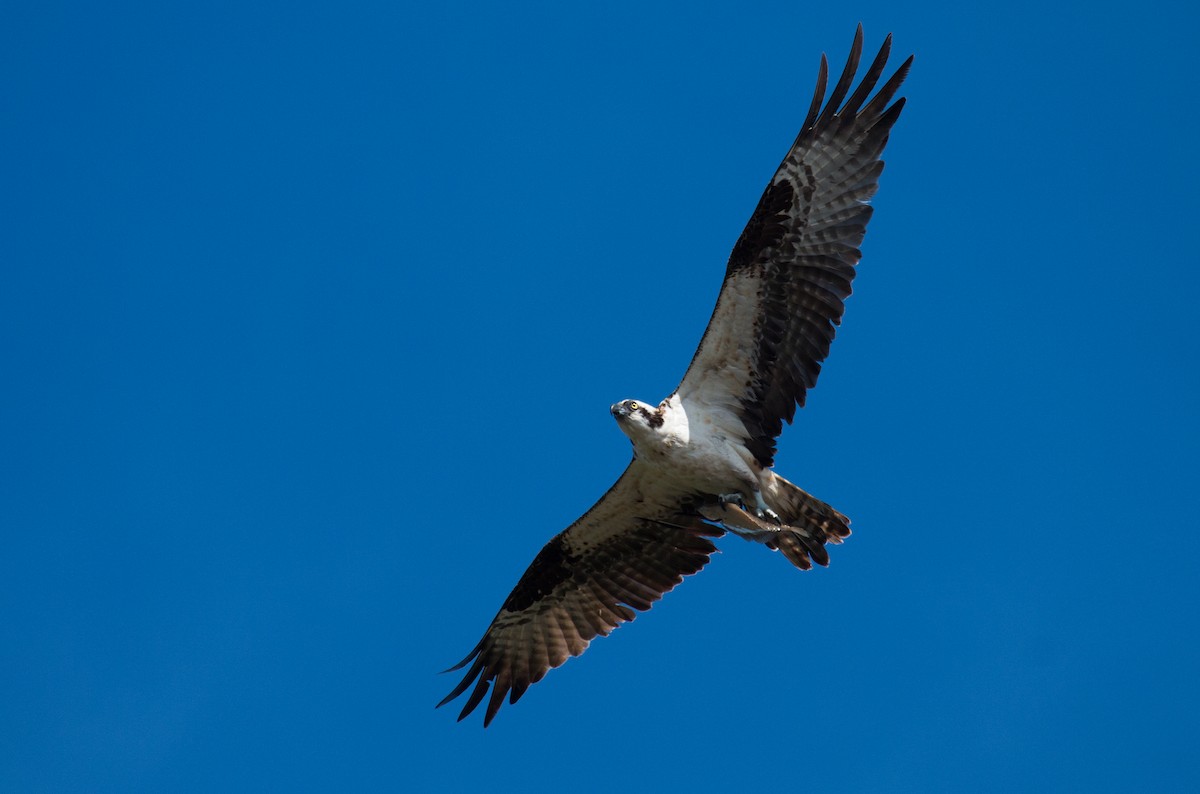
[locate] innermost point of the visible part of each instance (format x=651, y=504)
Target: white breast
x=702, y=448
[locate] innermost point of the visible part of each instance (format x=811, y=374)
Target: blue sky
x=311, y=318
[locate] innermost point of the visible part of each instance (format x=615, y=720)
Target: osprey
x=703, y=457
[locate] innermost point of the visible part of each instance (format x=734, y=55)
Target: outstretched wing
x=633, y=546
x=791, y=269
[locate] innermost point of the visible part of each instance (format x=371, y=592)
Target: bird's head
x=636, y=419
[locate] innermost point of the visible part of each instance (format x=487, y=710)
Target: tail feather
x=808, y=524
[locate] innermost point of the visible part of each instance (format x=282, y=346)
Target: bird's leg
x=760, y=509
x=734, y=498
x=764, y=512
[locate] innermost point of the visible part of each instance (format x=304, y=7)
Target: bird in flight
x=703, y=457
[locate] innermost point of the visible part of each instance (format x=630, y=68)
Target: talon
x=767, y=514
x=764, y=512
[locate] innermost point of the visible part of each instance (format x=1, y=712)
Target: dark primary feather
x=798, y=254
x=576, y=590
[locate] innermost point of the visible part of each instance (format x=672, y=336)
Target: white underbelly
x=701, y=449
x=706, y=464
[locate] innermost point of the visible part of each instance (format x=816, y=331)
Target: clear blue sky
x=311, y=316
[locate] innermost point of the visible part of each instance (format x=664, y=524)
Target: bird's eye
x=631, y=405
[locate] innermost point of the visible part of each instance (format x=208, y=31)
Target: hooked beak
x=618, y=410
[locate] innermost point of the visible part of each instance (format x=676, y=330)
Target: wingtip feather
x=844, y=82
